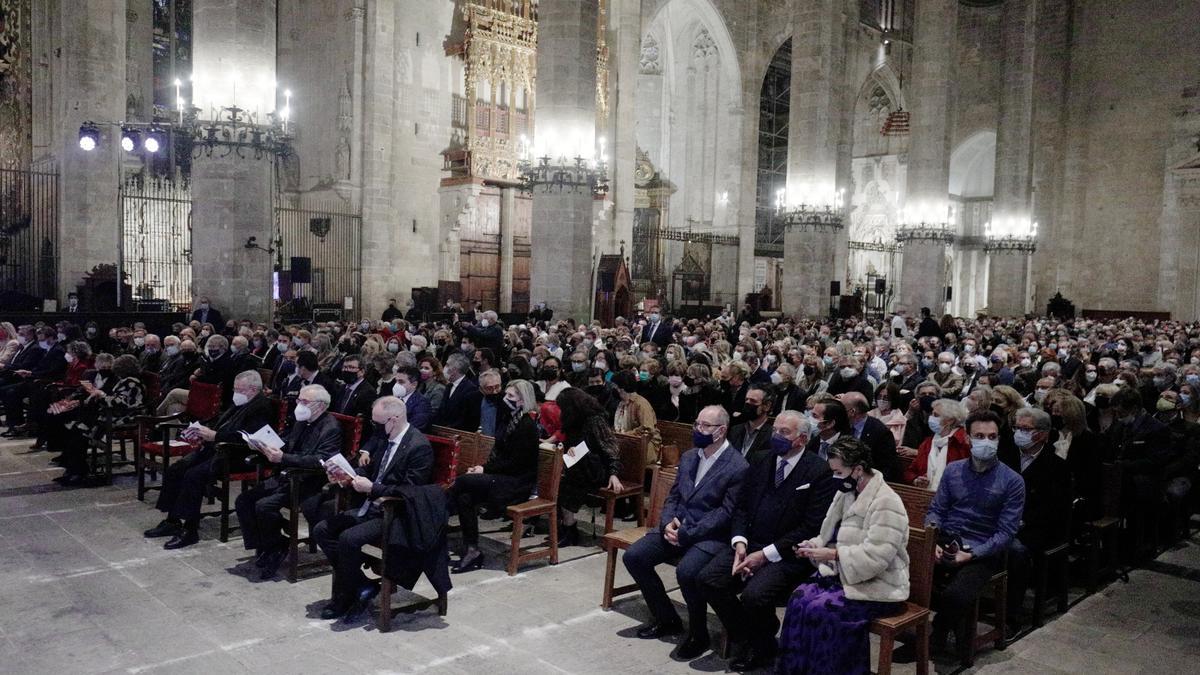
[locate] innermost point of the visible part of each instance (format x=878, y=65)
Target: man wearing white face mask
x=185, y=481
x=315, y=436
x=404, y=387
x=950, y=381
x=488, y=334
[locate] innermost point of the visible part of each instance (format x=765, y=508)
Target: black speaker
x=949, y=293
x=880, y=286
x=835, y=289
x=301, y=270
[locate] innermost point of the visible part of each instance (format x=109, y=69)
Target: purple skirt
x=824, y=632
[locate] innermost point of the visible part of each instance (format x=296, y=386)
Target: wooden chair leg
x=610, y=505
x=610, y=572
x=553, y=516
x=514, y=554
x=1064, y=581
x=384, y=622
x=887, y=642
x=224, y=497
x=640, y=504
x=1001, y=613
x=922, y=648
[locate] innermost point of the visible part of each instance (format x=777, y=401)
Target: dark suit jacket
x=1141, y=449
x=358, y=402
x=27, y=358
x=251, y=417
x=491, y=337
x=52, y=365
x=734, y=400
x=705, y=510
x=761, y=445
x=460, y=410
x=1048, y=498
x=222, y=372
x=272, y=356
x=784, y=515
x=214, y=317
x=311, y=441
x=411, y=464
x=879, y=438
x=796, y=399
x=662, y=335
x=420, y=413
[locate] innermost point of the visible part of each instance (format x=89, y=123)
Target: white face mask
x=1090, y=376
x=139, y=341
x=848, y=373
x=240, y=399
x=399, y=390
x=303, y=413
x=943, y=368
x=69, y=357
x=485, y=323
x=776, y=378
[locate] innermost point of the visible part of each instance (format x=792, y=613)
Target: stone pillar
x=87, y=83
x=928, y=100
x=382, y=229
x=561, y=259
x=922, y=272
x=625, y=50
x=1011, y=212
x=815, y=120
x=233, y=196
x=1008, y=279
x=508, y=223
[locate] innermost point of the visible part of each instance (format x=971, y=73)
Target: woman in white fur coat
x=861, y=556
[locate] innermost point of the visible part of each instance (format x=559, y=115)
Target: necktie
x=383, y=464
x=824, y=452
x=779, y=467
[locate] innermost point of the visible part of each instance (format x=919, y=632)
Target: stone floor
x=84, y=592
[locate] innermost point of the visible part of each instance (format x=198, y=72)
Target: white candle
x=179, y=99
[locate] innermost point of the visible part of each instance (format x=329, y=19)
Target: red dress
x=958, y=448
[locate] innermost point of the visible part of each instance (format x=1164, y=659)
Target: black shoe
x=71, y=480
x=752, y=658
x=183, y=539
x=260, y=559
x=166, y=528
x=659, y=629
x=40, y=444
x=692, y=647
x=362, y=604
x=271, y=563
x=335, y=609
x=473, y=560
x=568, y=536
x=14, y=432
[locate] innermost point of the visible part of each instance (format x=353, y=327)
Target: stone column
x=87, y=84
x=508, y=223
x=922, y=274
x=382, y=230
x=1014, y=159
x=815, y=120
x=561, y=259
x=233, y=60
x=625, y=52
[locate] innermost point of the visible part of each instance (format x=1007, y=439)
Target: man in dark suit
x=873, y=433
x=752, y=437
x=46, y=363
x=1141, y=446
x=658, y=330
x=400, y=455
x=185, y=482
x=735, y=387
x=314, y=437
x=308, y=372
x=1048, y=496
x=179, y=363
x=783, y=502
x=460, y=410
x=206, y=314
x=356, y=395
x=219, y=367
x=26, y=358
x=487, y=334
x=693, y=529
x=416, y=406
x=832, y=422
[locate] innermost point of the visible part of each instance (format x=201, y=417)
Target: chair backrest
x=153, y=384
x=473, y=450
x=903, y=462
x=664, y=480
x=916, y=501
x=1111, y=497
x=668, y=455
x=921, y=543
x=267, y=375
x=204, y=401
x=446, y=453
x=550, y=466
x=676, y=433
x=631, y=448
x=351, y=432
x=281, y=413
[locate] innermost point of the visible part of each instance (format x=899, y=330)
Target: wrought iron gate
x=29, y=232
x=156, y=241
x=329, y=235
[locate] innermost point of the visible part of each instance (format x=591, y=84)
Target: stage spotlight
x=154, y=140
x=129, y=139
x=89, y=136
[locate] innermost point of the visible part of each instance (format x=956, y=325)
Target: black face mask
x=750, y=411
x=810, y=370
x=494, y=398
x=595, y=390
x=927, y=404
x=349, y=348
x=1056, y=422
x=550, y=373
x=1102, y=402
x=105, y=372
x=347, y=376
x=846, y=484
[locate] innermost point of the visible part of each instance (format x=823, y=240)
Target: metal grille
x=330, y=236
x=156, y=253
x=29, y=232
x=774, y=109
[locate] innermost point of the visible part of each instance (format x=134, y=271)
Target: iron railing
x=29, y=232
x=156, y=242
x=330, y=235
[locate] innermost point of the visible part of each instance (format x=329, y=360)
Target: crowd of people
x=799, y=428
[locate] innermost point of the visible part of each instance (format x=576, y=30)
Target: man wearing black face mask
x=219, y=367
x=356, y=396
x=782, y=502
x=752, y=437
x=460, y=409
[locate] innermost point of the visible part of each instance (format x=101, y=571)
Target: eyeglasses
x=705, y=425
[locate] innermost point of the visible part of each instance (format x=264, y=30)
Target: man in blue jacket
x=693, y=529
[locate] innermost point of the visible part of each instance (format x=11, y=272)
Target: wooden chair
x=446, y=455
x=154, y=447
x=1103, y=534
x=101, y=454
x=1059, y=558
x=903, y=462
x=632, y=451
x=916, y=502
x=976, y=641
x=621, y=540
x=676, y=433
x=668, y=456
x=153, y=385
x=351, y=436
x=550, y=466
x=474, y=448
x=915, y=617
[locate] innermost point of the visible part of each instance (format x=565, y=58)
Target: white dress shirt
x=706, y=462
x=769, y=550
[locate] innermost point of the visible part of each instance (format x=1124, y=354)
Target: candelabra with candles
x=811, y=215
x=1017, y=236
x=931, y=223
x=563, y=175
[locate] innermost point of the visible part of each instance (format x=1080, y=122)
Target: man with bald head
x=782, y=502
x=873, y=433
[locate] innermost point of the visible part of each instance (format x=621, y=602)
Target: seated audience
x=584, y=422
x=872, y=432
x=752, y=437
x=120, y=406
x=948, y=444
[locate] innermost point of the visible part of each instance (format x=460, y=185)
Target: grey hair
x=951, y=408
x=1041, y=418
x=722, y=414
x=250, y=377
x=803, y=424
x=528, y=395
x=459, y=363
x=217, y=341
x=316, y=393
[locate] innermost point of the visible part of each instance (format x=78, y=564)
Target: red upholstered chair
x=154, y=447
x=446, y=452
